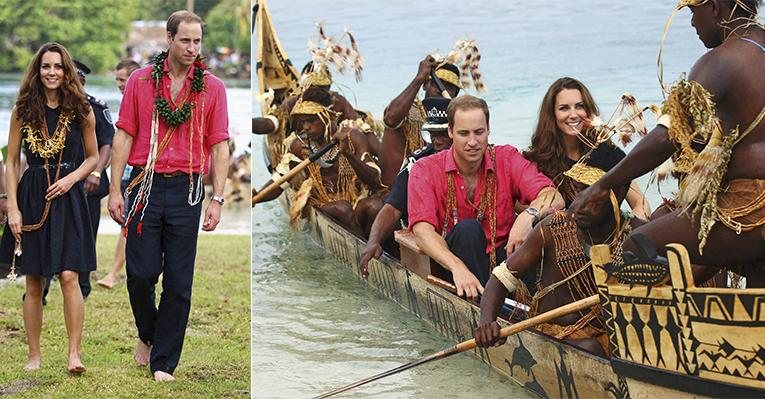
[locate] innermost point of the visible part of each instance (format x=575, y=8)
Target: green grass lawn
x=216, y=355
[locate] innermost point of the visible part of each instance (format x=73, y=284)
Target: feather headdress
x=330, y=51
x=466, y=55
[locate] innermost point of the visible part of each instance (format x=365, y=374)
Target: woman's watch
x=218, y=198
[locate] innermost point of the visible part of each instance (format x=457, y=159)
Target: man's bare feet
x=141, y=354
x=161, y=376
x=33, y=363
x=107, y=282
x=75, y=365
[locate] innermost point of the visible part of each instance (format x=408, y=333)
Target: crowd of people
x=171, y=131
x=500, y=221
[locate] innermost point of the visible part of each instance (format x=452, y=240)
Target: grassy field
x=216, y=355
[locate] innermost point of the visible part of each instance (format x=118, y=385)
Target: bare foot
x=161, y=376
x=107, y=282
x=141, y=354
x=33, y=363
x=75, y=365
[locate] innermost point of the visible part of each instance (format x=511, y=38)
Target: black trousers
x=94, y=207
x=166, y=244
x=468, y=242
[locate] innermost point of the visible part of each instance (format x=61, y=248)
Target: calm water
x=315, y=327
x=235, y=216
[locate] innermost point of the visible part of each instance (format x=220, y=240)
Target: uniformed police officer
x=97, y=183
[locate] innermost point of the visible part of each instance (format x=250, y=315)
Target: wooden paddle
x=299, y=167
x=470, y=344
x=439, y=84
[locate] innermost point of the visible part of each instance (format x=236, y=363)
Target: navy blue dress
x=65, y=241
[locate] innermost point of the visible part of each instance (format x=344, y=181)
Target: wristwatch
x=218, y=198
x=534, y=212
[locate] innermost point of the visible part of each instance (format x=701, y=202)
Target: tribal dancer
x=277, y=123
x=404, y=116
x=169, y=149
x=340, y=182
x=559, y=244
x=722, y=104
x=329, y=52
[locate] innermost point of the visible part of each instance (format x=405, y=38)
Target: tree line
x=95, y=31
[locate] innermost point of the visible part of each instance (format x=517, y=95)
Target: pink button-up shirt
x=517, y=180
x=209, y=111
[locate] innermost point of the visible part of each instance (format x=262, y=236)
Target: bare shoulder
x=709, y=69
x=721, y=68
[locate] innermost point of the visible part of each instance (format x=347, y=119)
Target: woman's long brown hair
x=30, y=104
x=547, y=149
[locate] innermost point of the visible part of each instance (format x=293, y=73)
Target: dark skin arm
x=343, y=107
x=648, y=154
x=104, y=155
x=367, y=174
x=398, y=109
x=524, y=258
x=265, y=125
x=296, y=149
x=262, y=126
x=384, y=225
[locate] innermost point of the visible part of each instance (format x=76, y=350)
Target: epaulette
x=416, y=155
x=96, y=101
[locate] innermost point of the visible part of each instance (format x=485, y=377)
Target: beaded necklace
x=488, y=198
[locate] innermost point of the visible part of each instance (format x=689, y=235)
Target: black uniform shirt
x=104, y=136
x=398, y=192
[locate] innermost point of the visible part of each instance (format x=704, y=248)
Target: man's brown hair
x=127, y=64
x=177, y=17
x=464, y=103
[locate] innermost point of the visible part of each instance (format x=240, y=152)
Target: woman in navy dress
x=48, y=230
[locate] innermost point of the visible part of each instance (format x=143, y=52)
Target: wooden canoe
x=716, y=346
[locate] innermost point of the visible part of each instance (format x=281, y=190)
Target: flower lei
x=182, y=114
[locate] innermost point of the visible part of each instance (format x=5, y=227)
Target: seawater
x=315, y=326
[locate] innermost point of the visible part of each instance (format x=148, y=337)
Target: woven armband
x=275, y=121
x=506, y=277
x=370, y=161
x=394, y=127
x=276, y=176
x=665, y=121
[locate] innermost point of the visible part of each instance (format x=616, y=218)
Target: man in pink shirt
x=461, y=201
x=172, y=128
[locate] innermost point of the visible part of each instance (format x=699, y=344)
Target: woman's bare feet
x=108, y=281
x=141, y=354
x=161, y=376
x=33, y=363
